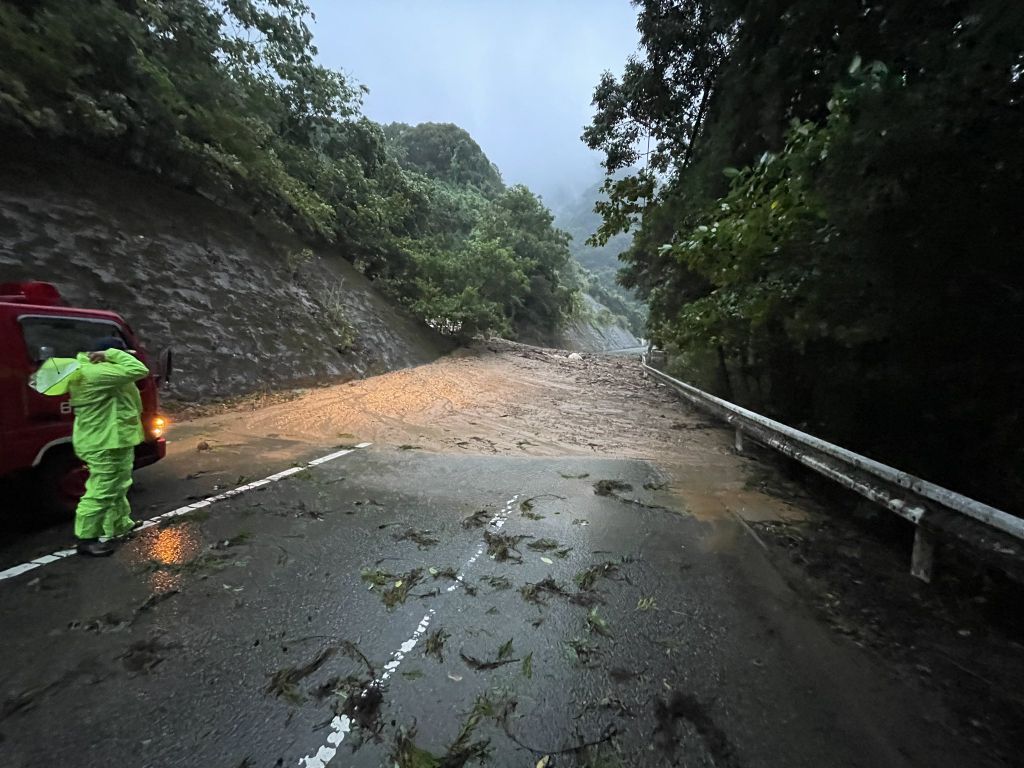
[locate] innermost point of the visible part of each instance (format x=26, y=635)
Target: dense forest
x=225, y=97
x=826, y=204
x=600, y=261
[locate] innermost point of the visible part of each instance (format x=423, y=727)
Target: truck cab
x=35, y=429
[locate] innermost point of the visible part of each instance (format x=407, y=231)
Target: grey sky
x=518, y=75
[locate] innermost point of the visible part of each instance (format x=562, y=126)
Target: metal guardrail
x=938, y=513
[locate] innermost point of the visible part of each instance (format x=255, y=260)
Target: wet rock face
x=240, y=308
x=595, y=335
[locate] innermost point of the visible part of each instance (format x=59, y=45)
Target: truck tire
x=61, y=483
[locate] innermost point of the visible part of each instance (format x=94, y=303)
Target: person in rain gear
x=107, y=427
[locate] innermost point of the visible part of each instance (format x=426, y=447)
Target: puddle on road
x=173, y=545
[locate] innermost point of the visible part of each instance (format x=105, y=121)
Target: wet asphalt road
x=245, y=635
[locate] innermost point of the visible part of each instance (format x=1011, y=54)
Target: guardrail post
x=739, y=440
x=922, y=561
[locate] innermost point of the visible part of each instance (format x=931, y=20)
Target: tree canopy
x=225, y=97
x=827, y=219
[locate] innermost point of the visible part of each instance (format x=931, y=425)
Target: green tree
x=836, y=237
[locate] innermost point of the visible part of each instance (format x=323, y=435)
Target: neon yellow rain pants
x=106, y=430
x=104, y=509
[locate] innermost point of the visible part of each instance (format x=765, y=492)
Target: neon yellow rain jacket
x=108, y=406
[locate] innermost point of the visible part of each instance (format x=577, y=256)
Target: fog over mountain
x=518, y=76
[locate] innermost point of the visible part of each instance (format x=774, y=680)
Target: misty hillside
x=245, y=117
x=575, y=214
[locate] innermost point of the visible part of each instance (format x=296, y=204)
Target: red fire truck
x=35, y=429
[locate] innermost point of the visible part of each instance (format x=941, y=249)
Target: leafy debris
x=597, y=625
x=478, y=519
x=586, y=578
x=435, y=644
x=234, y=541
x=504, y=657
x=376, y=577
x=538, y=592
x=399, y=591
x=582, y=476
x=284, y=682
x=543, y=545
x=528, y=666
x=580, y=650
x=503, y=546
x=424, y=539
x=498, y=582
x=444, y=573
x=610, y=487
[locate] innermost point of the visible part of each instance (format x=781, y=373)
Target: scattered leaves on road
x=528, y=666
x=647, y=604
x=424, y=539
x=580, y=650
x=611, y=487
x=435, y=644
x=504, y=657
x=376, y=577
x=538, y=592
x=543, y=545
x=399, y=591
x=597, y=625
x=234, y=541
x=444, y=573
x=497, y=582
x=478, y=519
x=586, y=578
x=582, y=476
x=502, y=546
x=284, y=682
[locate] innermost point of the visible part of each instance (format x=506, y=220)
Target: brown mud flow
x=625, y=614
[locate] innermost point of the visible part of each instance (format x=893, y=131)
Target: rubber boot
x=95, y=548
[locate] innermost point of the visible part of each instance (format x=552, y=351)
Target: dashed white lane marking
x=53, y=557
x=341, y=725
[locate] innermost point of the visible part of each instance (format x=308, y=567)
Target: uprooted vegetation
x=504, y=546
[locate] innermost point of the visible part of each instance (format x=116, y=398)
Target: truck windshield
x=47, y=336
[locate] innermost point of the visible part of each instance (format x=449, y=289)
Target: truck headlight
x=158, y=426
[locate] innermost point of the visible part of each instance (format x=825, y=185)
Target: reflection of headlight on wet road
x=174, y=545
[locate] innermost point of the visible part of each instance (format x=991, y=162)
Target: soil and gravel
x=959, y=636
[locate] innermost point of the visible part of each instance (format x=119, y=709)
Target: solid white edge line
x=17, y=570
x=341, y=725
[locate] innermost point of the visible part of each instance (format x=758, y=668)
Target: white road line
x=341, y=725
x=53, y=557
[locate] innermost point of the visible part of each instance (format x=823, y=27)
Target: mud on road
x=737, y=617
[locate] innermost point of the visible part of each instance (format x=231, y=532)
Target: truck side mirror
x=165, y=366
